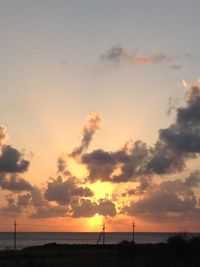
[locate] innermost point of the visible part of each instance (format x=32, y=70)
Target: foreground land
x=178, y=251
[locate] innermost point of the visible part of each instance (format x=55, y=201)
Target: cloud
x=14, y=183
x=119, y=166
x=15, y=206
x=61, y=165
x=24, y=200
x=49, y=211
x=167, y=198
x=87, y=208
x=100, y=164
x=181, y=140
x=164, y=160
x=11, y=207
x=172, y=105
x=37, y=198
x=63, y=191
x=184, y=134
x=106, y=208
x=193, y=180
x=92, y=125
x=174, y=146
x=3, y=135
x=144, y=184
x=117, y=55
x=176, y=66
x=135, y=162
x=43, y=208
x=11, y=160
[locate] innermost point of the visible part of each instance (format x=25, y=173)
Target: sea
x=27, y=239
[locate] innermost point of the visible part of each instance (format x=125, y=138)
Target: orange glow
x=95, y=222
x=77, y=169
x=101, y=190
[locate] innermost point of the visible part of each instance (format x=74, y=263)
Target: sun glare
x=95, y=223
x=101, y=189
x=77, y=169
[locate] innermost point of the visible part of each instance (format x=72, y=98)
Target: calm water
x=31, y=239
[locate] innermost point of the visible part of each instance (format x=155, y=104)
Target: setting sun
x=95, y=223
x=101, y=189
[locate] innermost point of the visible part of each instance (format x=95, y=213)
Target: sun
x=101, y=189
x=95, y=222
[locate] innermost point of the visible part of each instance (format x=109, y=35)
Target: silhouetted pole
x=133, y=233
x=99, y=238
x=104, y=233
x=15, y=233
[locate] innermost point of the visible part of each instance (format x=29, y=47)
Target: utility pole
x=133, y=233
x=15, y=233
x=102, y=234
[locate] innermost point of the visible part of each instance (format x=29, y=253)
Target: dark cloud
x=24, y=200
x=87, y=208
x=14, y=183
x=37, y=197
x=61, y=165
x=42, y=207
x=63, y=191
x=181, y=140
x=184, y=134
x=129, y=163
x=11, y=160
x=193, y=180
x=15, y=205
x=106, y=208
x=134, y=162
x=11, y=207
x=114, y=55
x=49, y=211
x=167, y=198
x=117, y=54
x=93, y=124
x=100, y=165
x=164, y=160
x=175, y=144
x=144, y=184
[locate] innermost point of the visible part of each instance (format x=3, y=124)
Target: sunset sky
x=100, y=115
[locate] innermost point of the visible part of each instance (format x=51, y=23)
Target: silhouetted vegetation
x=178, y=251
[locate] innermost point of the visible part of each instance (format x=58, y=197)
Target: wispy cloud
x=118, y=55
x=92, y=125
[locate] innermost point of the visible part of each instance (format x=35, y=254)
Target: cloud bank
x=136, y=163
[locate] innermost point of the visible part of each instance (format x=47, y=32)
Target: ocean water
x=27, y=239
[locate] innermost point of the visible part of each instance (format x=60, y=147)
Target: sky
x=99, y=115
